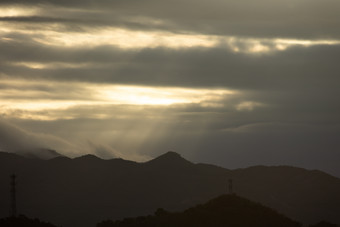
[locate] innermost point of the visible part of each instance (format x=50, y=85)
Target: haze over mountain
x=39, y=153
x=85, y=190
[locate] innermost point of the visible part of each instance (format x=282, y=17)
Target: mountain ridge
x=97, y=189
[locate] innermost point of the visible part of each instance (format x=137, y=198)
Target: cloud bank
x=226, y=82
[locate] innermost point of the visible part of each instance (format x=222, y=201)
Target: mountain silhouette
x=88, y=158
x=23, y=221
x=169, y=159
x=85, y=190
x=225, y=210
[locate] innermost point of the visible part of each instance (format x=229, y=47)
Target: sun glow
x=126, y=39
x=41, y=100
x=139, y=95
x=17, y=11
x=52, y=65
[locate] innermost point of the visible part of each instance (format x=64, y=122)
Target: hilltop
x=85, y=190
x=225, y=210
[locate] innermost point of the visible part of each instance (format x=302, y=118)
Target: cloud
x=16, y=139
x=298, y=68
x=36, y=19
x=279, y=58
x=262, y=18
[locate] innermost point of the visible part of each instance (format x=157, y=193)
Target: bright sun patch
x=17, y=11
x=139, y=95
x=39, y=100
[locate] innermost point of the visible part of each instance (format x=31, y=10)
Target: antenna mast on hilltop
x=230, y=186
x=13, y=197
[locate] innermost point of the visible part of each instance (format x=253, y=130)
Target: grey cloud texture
x=295, y=69
x=16, y=139
x=261, y=18
x=19, y=140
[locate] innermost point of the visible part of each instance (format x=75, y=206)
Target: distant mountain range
x=86, y=190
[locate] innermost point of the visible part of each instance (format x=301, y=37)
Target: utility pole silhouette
x=230, y=186
x=13, y=197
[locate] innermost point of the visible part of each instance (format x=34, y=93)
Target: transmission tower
x=13, y=197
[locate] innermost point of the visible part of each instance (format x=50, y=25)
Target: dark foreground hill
x=226, y=210
x=85, y=190
x=23, y=221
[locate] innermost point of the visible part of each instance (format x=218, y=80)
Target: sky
x=227, y=82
